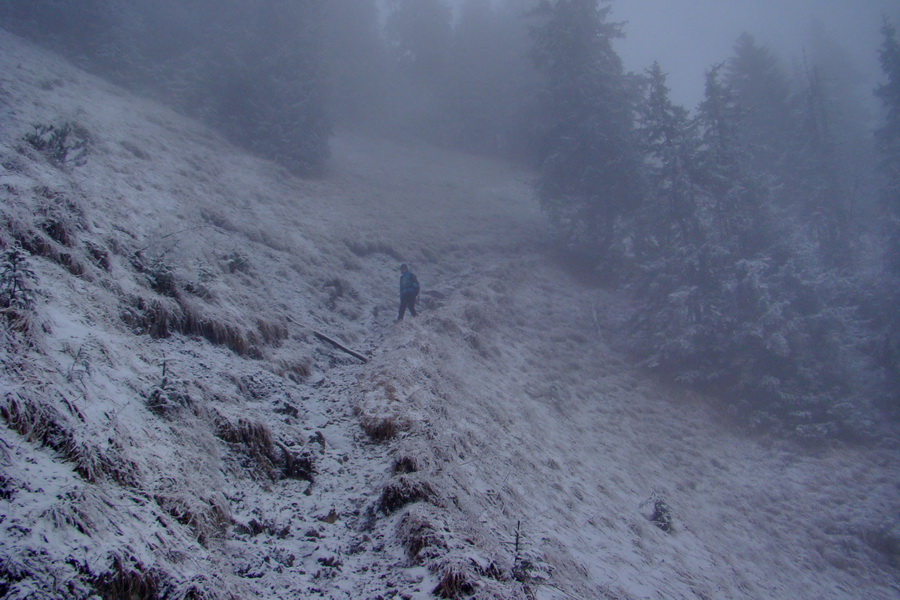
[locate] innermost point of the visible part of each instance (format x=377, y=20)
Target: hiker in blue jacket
x=409, y=289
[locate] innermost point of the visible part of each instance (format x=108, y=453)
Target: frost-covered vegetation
x=755, y=231
x=749, y=230
x=172, y=425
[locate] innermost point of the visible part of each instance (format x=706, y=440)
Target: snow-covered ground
x=174, y=427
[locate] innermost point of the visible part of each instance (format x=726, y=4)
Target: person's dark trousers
x=407, y=301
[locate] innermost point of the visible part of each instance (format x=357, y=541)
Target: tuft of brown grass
x=271, y=458
x=382, y=418
x=380, y=429
x=272, y=332
x=457, y=581
x=421, y=537
x=296, y=370
x=41, y=423
x=99, y=255
x=207, y=518
x=129, y=578
x=160, y=318
x=405, y=464
x=405, y=490
x=255, y=438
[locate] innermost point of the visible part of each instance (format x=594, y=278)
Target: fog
x=743, y=190
x=688, y=36
x=659, y=250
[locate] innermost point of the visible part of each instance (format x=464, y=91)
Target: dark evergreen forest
x=758, y=233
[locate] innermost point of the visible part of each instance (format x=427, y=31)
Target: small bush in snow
x=168, y=398
x=296, y=369
x=263, y=453
x=128, y=578
x=662, y=512
x=65, y=143
x=16, y=281
x=161, y=277
x=42, y=423
x=237, y=262
x=99, y=255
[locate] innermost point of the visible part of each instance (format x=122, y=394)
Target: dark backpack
x=414, y=284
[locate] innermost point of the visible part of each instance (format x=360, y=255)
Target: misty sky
x=689, y=36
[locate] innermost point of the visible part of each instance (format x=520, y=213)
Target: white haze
x=688, y=36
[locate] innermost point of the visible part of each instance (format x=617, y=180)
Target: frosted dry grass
x=566, y=438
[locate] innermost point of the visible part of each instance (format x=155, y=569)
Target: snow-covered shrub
x=295, y=369
x=62, y=144
x=129, y=578
x=661, y=514
x=99, y=254
x=206, y=517
x=163, y=317
x=380, y=413
x=17, y=281
x=405, y=464
x=380, y=428
x=161, y=277
x=50, y=230
x=531, y=571
x=252, y=439
x=271, y=331
x=57, y=219
x=149, y=317
x=169, y=397
x=236, y=262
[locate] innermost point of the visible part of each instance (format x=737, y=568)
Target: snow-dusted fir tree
x=761, y=90
x=669, y=230
x=888, y=136
x=589, y=181
x=669, y=143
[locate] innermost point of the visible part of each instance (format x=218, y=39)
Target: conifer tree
x=669, y=231
x=589, y=182
x=668, y=141
x=761, y=90
x=888, y=137
x=738, y=198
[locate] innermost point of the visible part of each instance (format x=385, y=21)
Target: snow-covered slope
x=174, y=427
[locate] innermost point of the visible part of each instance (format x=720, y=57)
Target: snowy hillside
x=174, y=427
